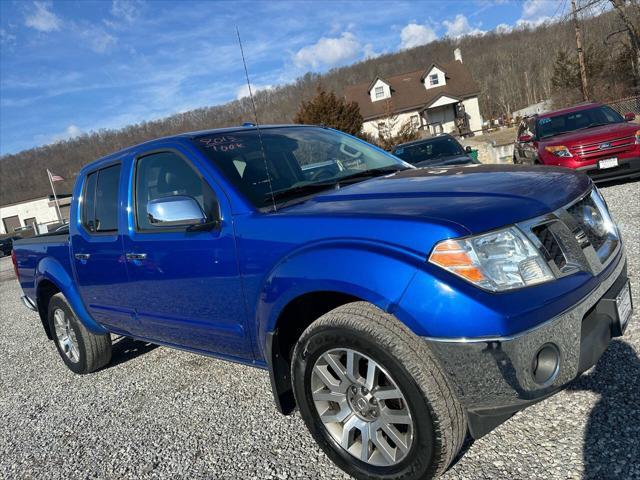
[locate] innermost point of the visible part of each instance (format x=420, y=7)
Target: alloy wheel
x=362, y=407
x=65, y=335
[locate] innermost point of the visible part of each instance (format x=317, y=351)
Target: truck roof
x=189, y=135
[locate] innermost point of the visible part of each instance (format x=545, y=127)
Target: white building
x=40, y=212
x=537, y=108
x=441, y=98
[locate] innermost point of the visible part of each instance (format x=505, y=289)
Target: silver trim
x=490, y=373
x=136, y=256
x=30, y=304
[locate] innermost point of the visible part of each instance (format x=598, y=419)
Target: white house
x=37, y=212
x=441, y=98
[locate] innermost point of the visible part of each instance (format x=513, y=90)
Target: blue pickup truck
x=398, y=309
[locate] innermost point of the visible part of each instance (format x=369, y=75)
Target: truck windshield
x=578, y=120
x=301, y=161
x=430, y=151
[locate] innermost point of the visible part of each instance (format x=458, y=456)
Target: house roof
x=378, y=77
x=408, y=91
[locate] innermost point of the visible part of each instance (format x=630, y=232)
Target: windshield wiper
x=592, y=125
x=374, y=172
x=309, y=188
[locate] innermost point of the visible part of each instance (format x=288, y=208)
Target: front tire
x=373, y=397
x=82, y=351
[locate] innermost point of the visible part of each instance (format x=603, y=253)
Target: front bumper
x=628, y=168
x=494, y=377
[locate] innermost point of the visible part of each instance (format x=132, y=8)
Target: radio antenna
x=255, y=115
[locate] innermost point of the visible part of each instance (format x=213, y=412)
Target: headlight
x=495, y=261
x=559, y=151
x=638, y=137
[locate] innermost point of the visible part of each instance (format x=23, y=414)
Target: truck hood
x=592, y=135
x=477, y=197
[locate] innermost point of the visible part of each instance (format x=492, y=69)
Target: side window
x=89, y=202
x=166, y=174
x=100, y=210
x=531, y=127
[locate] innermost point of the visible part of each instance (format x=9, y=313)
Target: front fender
x=374, y=272
x=52, y=270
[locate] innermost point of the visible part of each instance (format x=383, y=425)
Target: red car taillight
x=15, y=264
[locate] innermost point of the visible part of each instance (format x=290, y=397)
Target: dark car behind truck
x=397, y=308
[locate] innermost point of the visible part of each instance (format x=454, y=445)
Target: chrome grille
x=580, y=236
x=550, y=246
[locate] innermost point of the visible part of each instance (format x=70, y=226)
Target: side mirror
x=525, y=138
x=175, y=211
x=467, y=149
x=629, y=117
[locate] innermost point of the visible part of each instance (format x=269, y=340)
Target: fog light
x=546, y=364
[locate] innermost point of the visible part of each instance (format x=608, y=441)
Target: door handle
x=82, y=256
x=136, y=256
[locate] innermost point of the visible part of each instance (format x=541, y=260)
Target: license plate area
x=616, y=306
x=608, y=163
x=624, y=306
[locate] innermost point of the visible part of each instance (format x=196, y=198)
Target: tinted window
x=295, y=157
x=106, y=216
x=581, y=119
x=166, y=174
x=431, y=151
x=89, y=202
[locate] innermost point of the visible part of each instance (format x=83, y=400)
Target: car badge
x=604, y=145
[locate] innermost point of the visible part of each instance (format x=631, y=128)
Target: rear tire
x=82, y=351
x=365, y=334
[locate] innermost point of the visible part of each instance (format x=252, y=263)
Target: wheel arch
x=294, y=319
x=50, y=278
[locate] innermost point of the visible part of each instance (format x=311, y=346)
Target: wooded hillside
x=513, y=69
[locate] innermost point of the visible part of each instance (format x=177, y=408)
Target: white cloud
x=42, y=19
x=243, y=90
x=537, y=12
x=329, y=52
x=70, y=132
x=414, y=34
x=7, y=38
x=460, y=27
x=127, y=10
x=99, y=40
x=503, y=28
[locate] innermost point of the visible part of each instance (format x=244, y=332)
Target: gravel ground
x=162, y=413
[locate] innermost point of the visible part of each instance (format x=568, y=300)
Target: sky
x=76, y=66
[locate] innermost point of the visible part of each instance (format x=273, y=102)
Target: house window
x=379, y=92
x=415, y=121
x=382, y=128
x=433, y=79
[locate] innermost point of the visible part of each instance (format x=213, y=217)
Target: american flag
x=55, y=178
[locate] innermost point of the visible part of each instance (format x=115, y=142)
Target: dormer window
x=379, y=92
x=433, y=79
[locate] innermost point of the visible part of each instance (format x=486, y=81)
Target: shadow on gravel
x=612, y=436
x=125, y=349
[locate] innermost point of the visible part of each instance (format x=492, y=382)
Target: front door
x=97, y=253
x=187, y=284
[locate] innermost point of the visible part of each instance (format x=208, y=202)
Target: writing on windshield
x=296, y=161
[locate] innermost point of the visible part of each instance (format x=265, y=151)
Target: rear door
x=187, y=284
x=97, y=250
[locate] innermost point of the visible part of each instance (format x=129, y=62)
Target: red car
x=590, y=137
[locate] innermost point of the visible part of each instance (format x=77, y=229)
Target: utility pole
x=583, y=68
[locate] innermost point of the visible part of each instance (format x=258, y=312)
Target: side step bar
x=29, y=303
